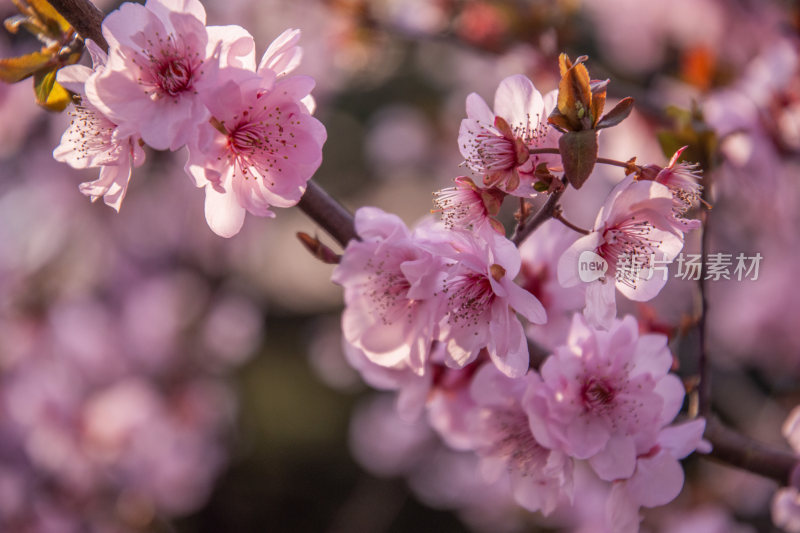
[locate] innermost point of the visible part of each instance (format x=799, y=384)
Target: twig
x=704, y=387
x=601, y=160
x=624, y=164
x=524, y=212
x=558, y=214
x=541, y=216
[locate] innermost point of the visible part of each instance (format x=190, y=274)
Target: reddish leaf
x=578, y=155
x=618, y=114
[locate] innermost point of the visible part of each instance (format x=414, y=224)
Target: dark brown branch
x=737, y=450
x=328, y=213
x=541, y=216
x=84, y=17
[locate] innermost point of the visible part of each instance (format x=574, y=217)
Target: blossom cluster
x=170, y=81
x=510, y=378
x=433, y=313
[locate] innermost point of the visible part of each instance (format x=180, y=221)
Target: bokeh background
x=155, y=377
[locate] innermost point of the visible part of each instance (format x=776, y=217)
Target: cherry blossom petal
x=517, y=97
x=224, y=215
x=283, y=54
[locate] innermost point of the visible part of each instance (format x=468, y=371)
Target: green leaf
x=618, y=114
x=59, y=98
x=15, y=69
x=578, y=155
x=49, y=94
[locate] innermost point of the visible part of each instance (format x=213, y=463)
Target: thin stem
x=704, y=387
x=541, y=216
x=616, y=163
x=524, y=209
x=534, y=151
x=601, y=160
x=558, y=214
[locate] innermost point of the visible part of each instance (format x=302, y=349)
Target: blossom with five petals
x=496, y=143
x=633, y=230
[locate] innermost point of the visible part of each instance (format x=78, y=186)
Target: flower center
x=629, y=249
x=460, y=206
x=173, y=75
x=490, y=152
x=90, y=131
x=260, y=139
x=597, y=394
x=469, y=297
x=514, y=441
x=387, y=288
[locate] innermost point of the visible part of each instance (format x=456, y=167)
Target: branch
x=328, y=213
x=541, y=216
x=743, y=452
x=84, y=17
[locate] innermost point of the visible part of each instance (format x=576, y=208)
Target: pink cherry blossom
x=260, y=151
x=390, y=283
x=605, y=395
x=496, y=143
x=683, y=180
x=92, y=140
x=483, y=301
x=467, y=206
x=540, y=477
x=160, y=55
x=634, y=228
